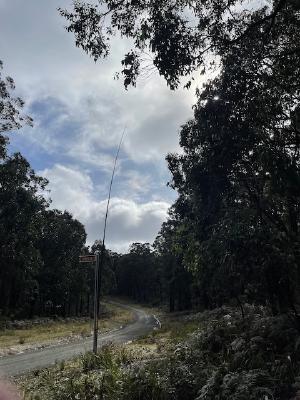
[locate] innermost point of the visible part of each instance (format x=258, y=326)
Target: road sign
x=87, y=259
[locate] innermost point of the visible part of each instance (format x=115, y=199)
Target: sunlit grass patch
x=55, y=330
x=42, y=333
x=118, y=372
x=173, y=328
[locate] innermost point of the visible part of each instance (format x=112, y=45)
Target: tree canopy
x=175, y=36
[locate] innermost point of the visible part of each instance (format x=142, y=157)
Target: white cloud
x=70, y=189
x=136, y=182
x=47, y=65
x=80, y=113
x=129, y=221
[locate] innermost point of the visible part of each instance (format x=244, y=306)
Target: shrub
x=230, y=357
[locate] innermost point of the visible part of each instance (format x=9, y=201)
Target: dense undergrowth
x=227, y=357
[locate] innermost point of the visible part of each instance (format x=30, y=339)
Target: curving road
x=21, y=363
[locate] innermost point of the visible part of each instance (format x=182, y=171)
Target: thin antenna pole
x=110, y=187
x=105, y=221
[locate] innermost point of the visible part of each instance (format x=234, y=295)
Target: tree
x=39, y=248
x=21, y=207
x=62, y=280
x=11, y=116
x=138, y=274
x=235, y=225
x=239, y=179
x=107, y=272
x=174, y=277
x=175, y=36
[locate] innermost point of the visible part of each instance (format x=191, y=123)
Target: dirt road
x=21, y=363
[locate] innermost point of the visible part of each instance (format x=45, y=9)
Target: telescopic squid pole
x=100, y=257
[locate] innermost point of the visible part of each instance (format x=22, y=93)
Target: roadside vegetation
x=205, y=356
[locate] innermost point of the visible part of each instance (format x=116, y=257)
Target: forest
x=232, y=235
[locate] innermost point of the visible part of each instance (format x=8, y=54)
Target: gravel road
x=21, y=363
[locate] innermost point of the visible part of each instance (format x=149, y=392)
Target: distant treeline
x=147, y=276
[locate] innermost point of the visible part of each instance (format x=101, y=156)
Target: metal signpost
x=94, y=258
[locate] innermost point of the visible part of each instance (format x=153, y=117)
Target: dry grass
x=42, y=333
x=56, y=330
x=150, y=348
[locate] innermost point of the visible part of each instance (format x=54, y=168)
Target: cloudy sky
x=79, y=113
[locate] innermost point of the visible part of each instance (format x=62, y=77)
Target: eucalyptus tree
x=170, y=246
x=175, y=36
x=21, y=208
x=239, y=176
x=11, y=116
x=39, y=248
x=136, y=273
x=63, y=281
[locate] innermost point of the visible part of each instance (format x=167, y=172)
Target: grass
x=204, y=356
x=46, y=333
x=174, y=329
x=88, y=376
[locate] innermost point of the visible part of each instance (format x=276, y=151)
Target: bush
x=230, y=357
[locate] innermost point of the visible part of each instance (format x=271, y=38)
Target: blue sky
x=79, y=113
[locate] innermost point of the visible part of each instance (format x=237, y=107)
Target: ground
x=218, y=354
x=149, y=348
x=41, y=335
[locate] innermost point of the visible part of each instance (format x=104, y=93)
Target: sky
x=79, y=114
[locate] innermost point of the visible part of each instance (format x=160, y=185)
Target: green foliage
x=62, y=279
x=235, y=225
x=236, y=222
x=11, y=116
x=234, y=357
x=228, y=357
x=93, y=376
x=179, y=35
x=39, y=248
x=20, y=224
x=147, y=274
x=136, y=274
